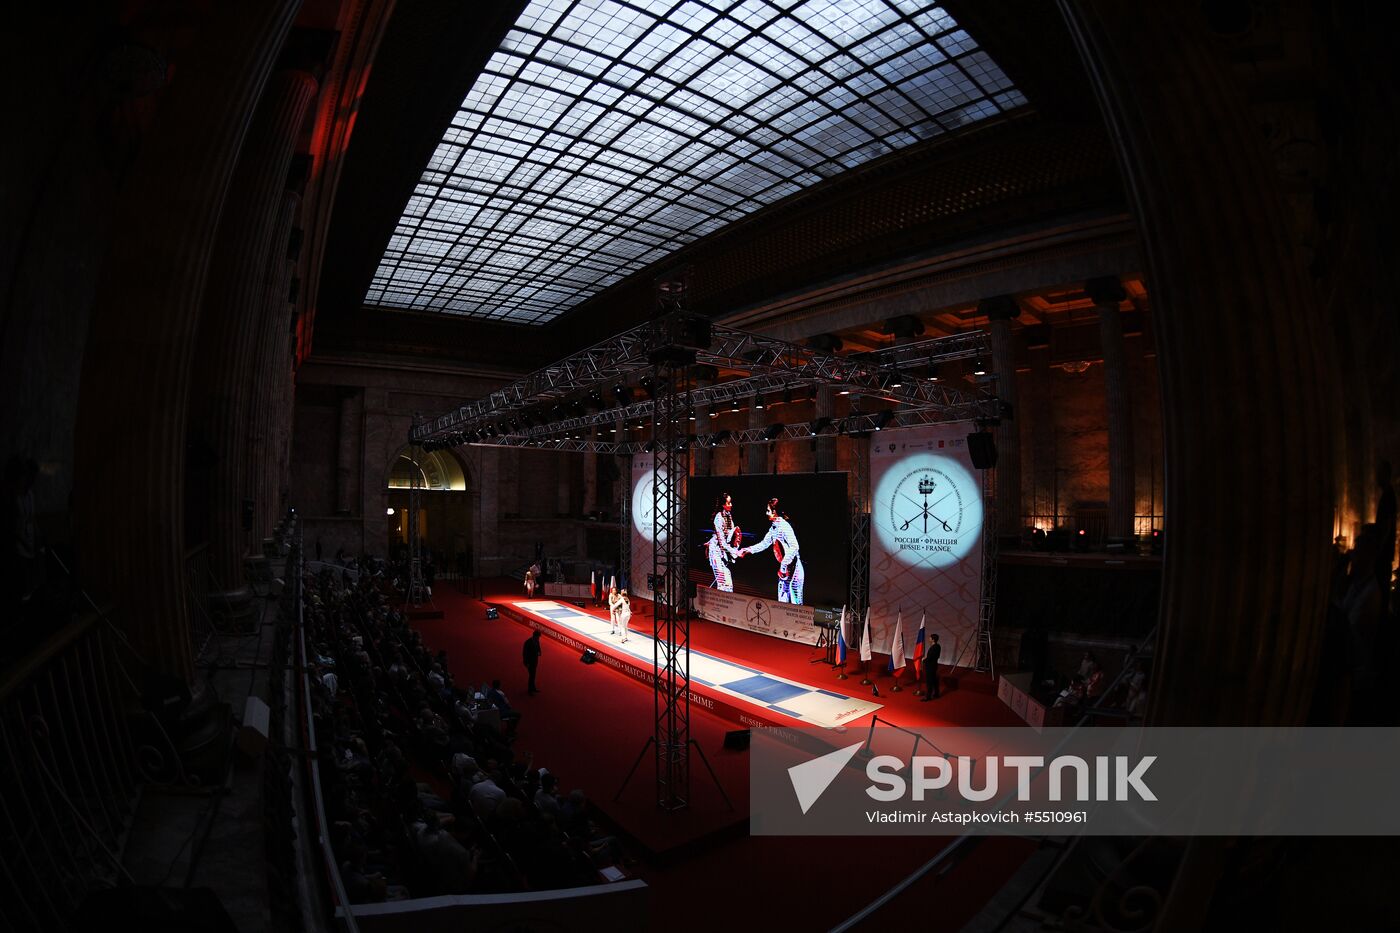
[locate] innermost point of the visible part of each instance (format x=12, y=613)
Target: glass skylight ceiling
x=603, y=136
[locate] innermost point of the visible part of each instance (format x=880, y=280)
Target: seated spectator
x=485, y=796
x=546, y=800
x=450, y=867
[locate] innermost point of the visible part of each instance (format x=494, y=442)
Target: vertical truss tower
x=670, y=374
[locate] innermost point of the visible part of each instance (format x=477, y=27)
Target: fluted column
x=347, y=453
x=233, y=312
x=1001, y=311
x=825, y=407
x=133, y=403
x=273, y=395
x=590, y=476
x=757, y=454
x=1243, y=363
x=1107, y=293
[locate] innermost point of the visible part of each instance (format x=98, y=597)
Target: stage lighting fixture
x=691, y=414
x=682, y=442
x=980, y=368
x=721, y=437
x=648, y=385
x=389, y=511
x=649, y=447
x=623, y=393
x=1158, y=539
x=714, y=414
x=1081, y=541
x=820, y=425
x=883, y=419
x=758, y=401
x=844, y=391
x=772, y=431
x=933, y=372
x=734, y=405
x=896, y=379
x=578, y=408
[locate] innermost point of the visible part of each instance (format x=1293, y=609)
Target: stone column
x=590, y=476
x=1001, y=311
x=757, y=454
x=273, y=395
x=133, y=404
x=1040, y=410
x=347, y=453
x=1106, y=294
x=233, y=315
x=564, y=464
x=1244, y=365
x=825, y=444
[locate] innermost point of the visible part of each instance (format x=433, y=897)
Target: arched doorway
x=444, y=507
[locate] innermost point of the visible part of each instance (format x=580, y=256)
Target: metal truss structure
x=558, y=408
x=669, y=577
x=553, y=408
x=858, y=591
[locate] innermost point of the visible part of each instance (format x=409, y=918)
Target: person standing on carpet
x=935, y=651
x=614, y=604
x=624, y=614
x=531, y=656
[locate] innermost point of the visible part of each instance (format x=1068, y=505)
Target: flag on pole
x=919, y=650
x=865, y=638
x=897, y=658
x=593, y=583
x=614, y=582
x=841, y=638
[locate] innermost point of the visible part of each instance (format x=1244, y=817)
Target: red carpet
x=588, y=724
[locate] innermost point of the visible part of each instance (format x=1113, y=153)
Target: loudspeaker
x=983, y=449
x=589, y=656
x=492, y=613
x=738, y=739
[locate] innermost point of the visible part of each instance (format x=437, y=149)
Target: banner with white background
x=925, y=538
x=764, y=616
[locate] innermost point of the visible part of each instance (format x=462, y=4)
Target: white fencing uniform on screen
x=720, y=548
x=791, y=574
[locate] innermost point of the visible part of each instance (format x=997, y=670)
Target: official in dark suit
x=531, y=656
x=935, y=650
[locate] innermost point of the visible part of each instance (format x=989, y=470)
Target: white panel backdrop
x=643, y=523
x=925, y=538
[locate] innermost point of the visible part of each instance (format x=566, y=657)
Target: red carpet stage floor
x=589, y=722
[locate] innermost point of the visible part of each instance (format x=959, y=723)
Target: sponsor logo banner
x=765, y=616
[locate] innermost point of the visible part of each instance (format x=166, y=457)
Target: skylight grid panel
x=802, y=115
x=980, y=67
x=484, y=94
x=853, y=19
x=889, y=42
x=795, y=151
x=1010, y=100
x=701, y=107
x=733, y=79
x=779, y=101
x=956, y=42
x=898, y=106
x=658, y=44
x=941, y=90
x=682, y=64
x=444, y=157
x=754, y=13
x=574, y=57
x=607, y=28
x=977, y=110
x=801, y=40
x=873, y=119
x=912, y=62
x=558, y=80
